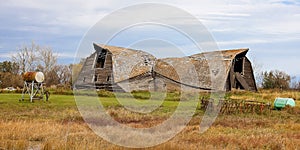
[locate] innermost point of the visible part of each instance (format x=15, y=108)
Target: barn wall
x=86, y=74
x=227, y=84
x=147, y=82
x=164, y=83
x=139, y=83
x=248, y=74
x=104, y=75
x=91, y=76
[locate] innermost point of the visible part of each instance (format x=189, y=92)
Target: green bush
x=105, y=93
x=60, y=91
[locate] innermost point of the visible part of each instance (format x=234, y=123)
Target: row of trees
x=36, y=58
x=9, y=74
x=276, y=79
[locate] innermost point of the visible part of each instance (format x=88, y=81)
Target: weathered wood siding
x=148, y=73
x=248, y=74
x=90, y=76
x=148, y=82
x=86, y=74
x=104, y=75
x=138, y=83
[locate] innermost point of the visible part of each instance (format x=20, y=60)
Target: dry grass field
x=57, y=124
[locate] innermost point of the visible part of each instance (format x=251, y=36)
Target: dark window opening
x=146, y=62
x=108, y=78
x=83, y=79
x=95, y=78
x=101, y=59
x=239, y=63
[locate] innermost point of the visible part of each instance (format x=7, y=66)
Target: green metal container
x=280, y=103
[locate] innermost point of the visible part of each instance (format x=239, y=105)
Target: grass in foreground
x=57, y=124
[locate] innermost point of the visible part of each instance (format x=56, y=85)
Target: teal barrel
x=280, y=103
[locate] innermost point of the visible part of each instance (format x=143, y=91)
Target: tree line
x=276, y=79
x=34, y=57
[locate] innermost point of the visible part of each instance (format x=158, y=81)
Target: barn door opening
x=101, y=59
x=239, y=65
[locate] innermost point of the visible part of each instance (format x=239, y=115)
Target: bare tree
x=26, y=57
x=298, y=86
x=76, y=68
x=52, y=77
x=34, y=57
x=47, y=59
x=64, y=73
x=59, y=75
x=295, y=83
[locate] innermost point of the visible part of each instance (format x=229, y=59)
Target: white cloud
x=233, y=22
x=249, y=41
x=267, y=17
x=63, y=55
x=229, y=14
x=5, y=55
x=256, y=41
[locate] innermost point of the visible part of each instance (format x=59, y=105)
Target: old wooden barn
x=122, y=69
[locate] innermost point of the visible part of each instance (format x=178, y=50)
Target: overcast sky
x=270, y=28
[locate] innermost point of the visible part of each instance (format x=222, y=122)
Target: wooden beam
x=243, y=70
x=232, y=77
x=242, y=81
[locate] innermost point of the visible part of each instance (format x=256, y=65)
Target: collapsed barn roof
x=207, y=65
x=202, y=70
x=128, y=63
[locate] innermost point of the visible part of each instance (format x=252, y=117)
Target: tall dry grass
x=264, y=95
x=50, y=126
x=228, y=132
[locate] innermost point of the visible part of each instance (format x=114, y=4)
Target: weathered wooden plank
x=242, y=81
x=232, y=77
x=249, y=76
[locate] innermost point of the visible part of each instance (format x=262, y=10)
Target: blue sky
x=270, y=28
